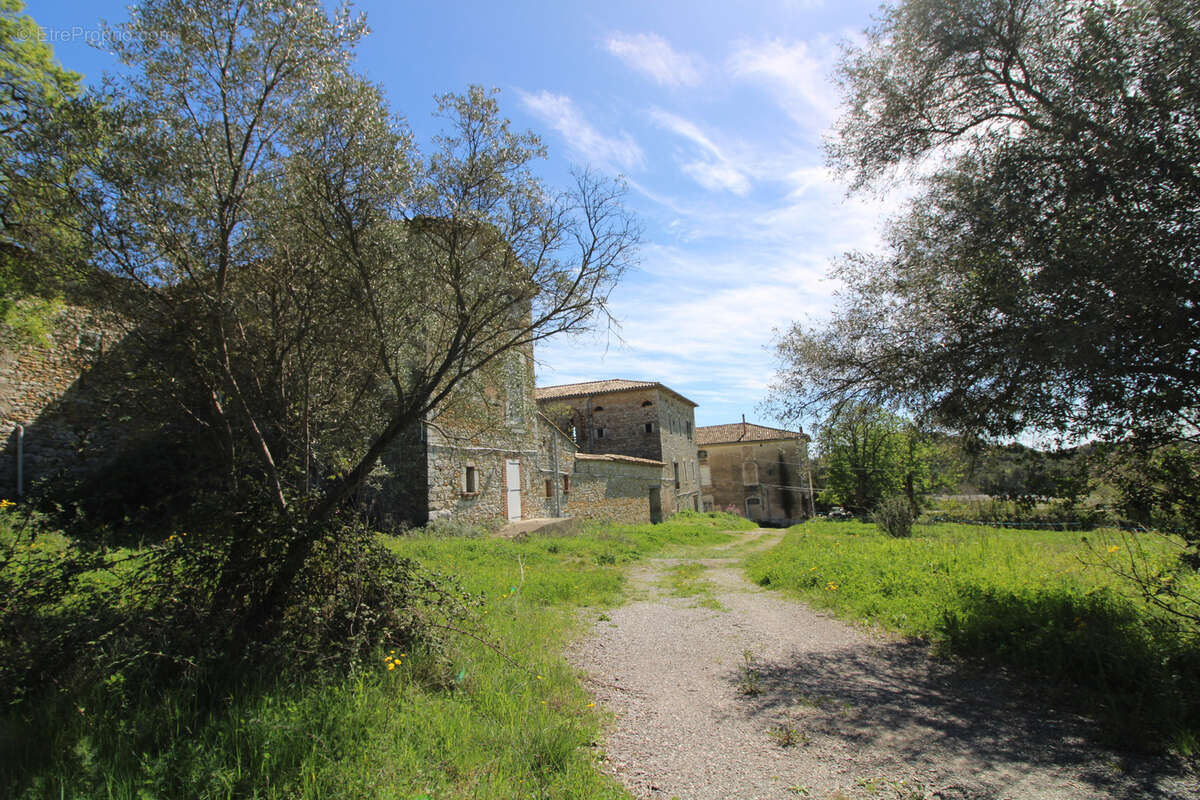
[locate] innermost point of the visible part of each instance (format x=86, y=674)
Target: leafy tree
x=869, y=454
x=1048, y=275
x=39, y=244
x=310, y=288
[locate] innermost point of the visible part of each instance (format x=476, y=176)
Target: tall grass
x=1043, y=603
x=490, y=711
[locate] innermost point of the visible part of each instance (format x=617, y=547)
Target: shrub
x=894, y=516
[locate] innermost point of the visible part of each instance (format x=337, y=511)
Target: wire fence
x=1062, y=525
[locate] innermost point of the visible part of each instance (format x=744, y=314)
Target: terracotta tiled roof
x=742, y=432
x=618, y=458
x=588, y=388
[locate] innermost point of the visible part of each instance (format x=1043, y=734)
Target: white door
x=512, y=480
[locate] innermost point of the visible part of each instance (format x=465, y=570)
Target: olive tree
x=310, y=285
x=1047, y=276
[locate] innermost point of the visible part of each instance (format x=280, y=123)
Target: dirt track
x=866, y=716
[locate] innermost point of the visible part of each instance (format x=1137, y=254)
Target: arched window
x=597, y=408
x=647, y=403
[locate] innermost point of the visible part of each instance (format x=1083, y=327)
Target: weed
x=786, y=734
x=800, y=790
x=749, y=678
x=683, y=580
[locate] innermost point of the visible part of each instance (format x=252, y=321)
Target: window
x=648, y=427
x=470, y=480
x=597, y=408
x=549, y=488
x=702, y=453
x=750, y=473
x=647, y=404
x=676, y=465
x=689, y=429
x=599, y=433
x=566, y=484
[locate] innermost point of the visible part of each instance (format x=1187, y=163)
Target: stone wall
x=607, y=487
x=647, y=423
x=764, y=480
x=681, y=466
x=61, y=392
x=489, y=424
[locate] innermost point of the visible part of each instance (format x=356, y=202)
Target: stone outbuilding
x=642, y=420
x=761, y=472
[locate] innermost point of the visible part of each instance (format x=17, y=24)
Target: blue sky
x=714, y=114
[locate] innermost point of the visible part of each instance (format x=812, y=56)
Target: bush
x=894, y=516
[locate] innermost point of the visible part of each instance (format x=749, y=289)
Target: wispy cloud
x=620, y=152
x=712, y=169
x=797, y=74
x=653, y=55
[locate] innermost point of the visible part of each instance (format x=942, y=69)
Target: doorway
x=512, y=481
x=656, y=514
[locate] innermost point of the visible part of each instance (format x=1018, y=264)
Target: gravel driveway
x=770, y=699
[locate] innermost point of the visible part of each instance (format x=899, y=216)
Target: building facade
x=488, y=455
x=634, y=419
x=759, y=472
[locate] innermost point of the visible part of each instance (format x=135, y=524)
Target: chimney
x=743, y=427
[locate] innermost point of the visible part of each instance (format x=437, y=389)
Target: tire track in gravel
x=875, y=717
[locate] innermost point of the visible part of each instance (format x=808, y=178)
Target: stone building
x=635, y=419
x=760, y=472
x=490, y=454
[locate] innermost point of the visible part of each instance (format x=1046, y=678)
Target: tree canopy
x=306, y=286
x=1047, y=276
x=39, y=242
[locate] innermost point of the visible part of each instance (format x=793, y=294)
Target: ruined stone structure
x=761, y=472
x=637, y=419
x=489, y=455
x=54, y=408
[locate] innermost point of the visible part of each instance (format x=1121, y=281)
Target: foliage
x=868, y=453
x=303, y=289
x=894, y=516
x=40, y=244
x=1046, y=276
x=1042, y=603
x=452, y=717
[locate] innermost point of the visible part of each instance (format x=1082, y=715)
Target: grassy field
x=495, y=712
x=1042, y=602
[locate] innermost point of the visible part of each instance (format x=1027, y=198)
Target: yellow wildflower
x=590, y=705
x=6, y=503
x=831, y=587
x=391, y=665
x=1112, y=548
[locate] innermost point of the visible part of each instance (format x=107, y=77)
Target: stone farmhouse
x=761, y=472
x=625, y=450
x=632, y=419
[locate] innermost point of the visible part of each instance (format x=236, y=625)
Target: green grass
x=685, y=580
x=505, y=719
x=1041, y=602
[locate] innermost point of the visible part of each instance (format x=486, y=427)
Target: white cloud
x=713, y=169
x=798, y=75
x=559, y=112
x=653, y=55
